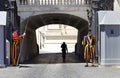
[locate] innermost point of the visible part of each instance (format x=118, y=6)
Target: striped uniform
x=88, y=43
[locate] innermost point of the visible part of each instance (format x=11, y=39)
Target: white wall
x=110, y=42
x=117, y=5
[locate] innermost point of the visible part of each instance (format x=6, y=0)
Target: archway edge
x=40, y=20
x=29, y=49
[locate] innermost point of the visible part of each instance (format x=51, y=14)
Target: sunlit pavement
x=50, y=65
x=61, y=70
x=53, y=67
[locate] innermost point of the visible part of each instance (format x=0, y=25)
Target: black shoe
x=93, y=66
x=86, y=65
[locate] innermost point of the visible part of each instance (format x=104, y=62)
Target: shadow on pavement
x=52, y=58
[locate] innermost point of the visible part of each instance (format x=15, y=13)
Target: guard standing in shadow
x=64, y=50
x=15, y=48
x=89, y=52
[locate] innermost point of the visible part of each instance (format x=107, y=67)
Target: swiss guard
x=15, y=48
x=88, y=43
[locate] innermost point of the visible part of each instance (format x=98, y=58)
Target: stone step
x=60, y=32
x=60, y=41
x=61, y=37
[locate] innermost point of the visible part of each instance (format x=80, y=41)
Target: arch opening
x=30, y=48
x=50, y=38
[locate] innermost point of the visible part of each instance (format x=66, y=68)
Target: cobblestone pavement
x=37, y=68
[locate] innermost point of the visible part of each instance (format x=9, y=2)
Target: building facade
x=13, y=21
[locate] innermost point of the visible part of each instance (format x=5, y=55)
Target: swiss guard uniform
x=15, y=48
x=89, y=53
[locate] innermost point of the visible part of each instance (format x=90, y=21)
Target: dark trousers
x=64, y=56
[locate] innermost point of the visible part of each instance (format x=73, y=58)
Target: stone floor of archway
x=52, y=58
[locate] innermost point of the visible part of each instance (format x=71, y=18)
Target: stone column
x=3, y=19
x=2, y=46
x=2, y=38
x=79, y=45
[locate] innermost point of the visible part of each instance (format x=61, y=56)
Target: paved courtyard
x=62, y=70
x=51, y=66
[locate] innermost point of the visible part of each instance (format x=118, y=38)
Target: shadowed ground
x=51, y=58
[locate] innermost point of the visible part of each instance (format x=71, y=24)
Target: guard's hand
x=24, y=34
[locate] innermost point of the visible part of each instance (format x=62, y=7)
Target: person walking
x=64, y=49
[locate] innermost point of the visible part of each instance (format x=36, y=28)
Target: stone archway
x=29, y=49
